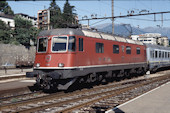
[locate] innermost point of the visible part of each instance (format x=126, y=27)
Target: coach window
x=137, y=50
x=99, y=48
x=128, y=50
x=156, y=54
x=159, y=54
x=42, y=45
x=168, y=54
x=162, y=54
x=72, y=43
x=116, y=49
x=80, y=44
x=165, y=54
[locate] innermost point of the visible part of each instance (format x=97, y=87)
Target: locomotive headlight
x=60, y=65
x=37, y=65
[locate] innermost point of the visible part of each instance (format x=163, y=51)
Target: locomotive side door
x=80, y=51
x=122, y=53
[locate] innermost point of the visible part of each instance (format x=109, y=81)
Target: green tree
x=55, y=15
x=24, y=31
x=68, y=13
x=5, y=8
x=5, y=33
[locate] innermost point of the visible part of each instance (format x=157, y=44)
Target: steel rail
x=57, y=95
x=110, y=94
x=107, y=95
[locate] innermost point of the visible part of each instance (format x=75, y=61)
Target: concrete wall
x=12, y=53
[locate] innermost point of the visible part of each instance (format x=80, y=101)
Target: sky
x=103, y=9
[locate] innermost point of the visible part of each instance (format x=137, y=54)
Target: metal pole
x=112, y=16
x=162, y=19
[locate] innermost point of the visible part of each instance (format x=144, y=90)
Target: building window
x=128, y=50
x=40, y=18
x=45, y=18
x=137, y=50
x=9, y=23
x=99, y=48
x=116, y=49
x=40, y=14
x=80, y=44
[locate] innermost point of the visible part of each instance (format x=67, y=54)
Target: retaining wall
x=12, y=54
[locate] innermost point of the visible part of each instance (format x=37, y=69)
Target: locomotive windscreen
x=59, y=43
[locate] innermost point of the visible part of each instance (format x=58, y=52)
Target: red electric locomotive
x=65, y=56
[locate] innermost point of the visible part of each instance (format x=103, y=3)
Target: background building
x=163, y=41
x=43, y=19
x=8, y=19
x=152, y=38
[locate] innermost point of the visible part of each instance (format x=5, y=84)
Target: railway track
x=15, y=92
x=95, y=99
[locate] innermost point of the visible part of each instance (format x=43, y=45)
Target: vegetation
x=24, y=31
x=63, y=19
x=5, y=8
x=55, y=15
x=5, y=32
x=68, y=15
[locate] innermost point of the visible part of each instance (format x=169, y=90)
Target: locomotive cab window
x=59, y=44
x=128, y=50
x=116, y=49
x=42, y=45
x=99, y=48
x=137, y=50
x=72, y=43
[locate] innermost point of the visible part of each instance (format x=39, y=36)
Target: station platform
x=13, y=75
x=14, y=72
x=154, y=101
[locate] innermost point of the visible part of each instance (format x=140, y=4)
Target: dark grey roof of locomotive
x=64, y=31
x=88, y=33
